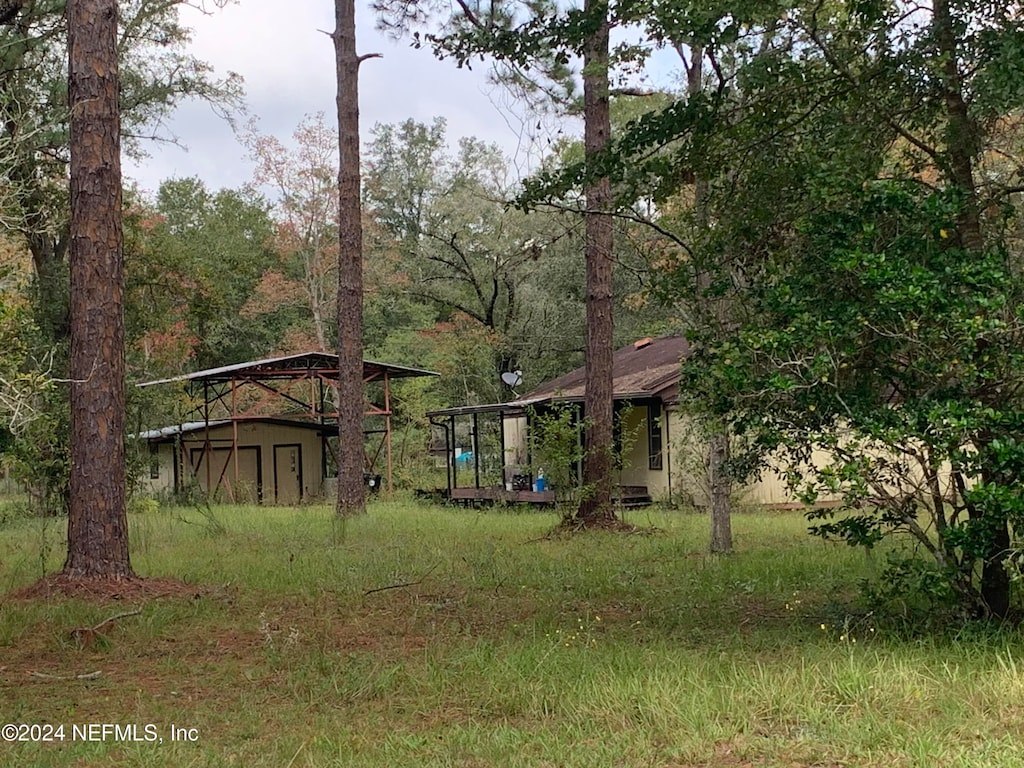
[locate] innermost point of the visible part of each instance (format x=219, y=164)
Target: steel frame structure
x=294, y=387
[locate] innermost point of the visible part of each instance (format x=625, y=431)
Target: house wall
x=770, y=488
x=258, y=472
x=682, y=476
x=516, y=445
x=636, y=450
x=635, y=468
x=690, y=481
x=900, y=475
x=158, y=477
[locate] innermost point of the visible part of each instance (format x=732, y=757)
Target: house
x=266, y=430
x=654, y=440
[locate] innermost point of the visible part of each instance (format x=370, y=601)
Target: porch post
x=387, y=424
x=207, y=448
x=501, y=433
x=476, y=450
x=234, y=437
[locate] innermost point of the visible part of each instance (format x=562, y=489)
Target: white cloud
x=287, y=61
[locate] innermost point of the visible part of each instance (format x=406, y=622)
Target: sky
x=287, y=62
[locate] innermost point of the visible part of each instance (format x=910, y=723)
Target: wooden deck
x=623, y=495
x=471, y=495
x=631, y=496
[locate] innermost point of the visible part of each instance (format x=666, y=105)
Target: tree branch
x=403, y=584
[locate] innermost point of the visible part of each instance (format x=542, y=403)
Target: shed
x=271, y=420
x=278, y=461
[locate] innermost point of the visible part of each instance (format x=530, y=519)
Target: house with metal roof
x=656, y=456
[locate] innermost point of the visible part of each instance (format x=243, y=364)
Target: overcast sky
x=287, y=63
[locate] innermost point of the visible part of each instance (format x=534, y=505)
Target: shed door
x=241, y=484
x=288, y=474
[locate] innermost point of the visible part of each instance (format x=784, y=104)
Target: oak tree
x=863, y=209
x=303, y=180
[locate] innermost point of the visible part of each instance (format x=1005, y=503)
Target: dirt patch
x=102, y=590
x=572, y=525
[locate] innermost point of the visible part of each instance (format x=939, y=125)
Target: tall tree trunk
x=995, y=580
x=720, y=487
x=51, y=288
x=719, y=483
x=97, y=522
x=962, y=148
x=351, y=491
x=596, y=505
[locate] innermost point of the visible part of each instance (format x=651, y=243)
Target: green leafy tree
x=303, y=182
x=460, y=248
x=156, y=72
x=30, y=398
x=196, y=261
x=861, y=208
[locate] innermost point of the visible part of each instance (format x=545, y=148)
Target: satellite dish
x=512, y=378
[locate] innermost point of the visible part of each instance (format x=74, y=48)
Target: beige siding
x=256, y=465
x=681, y=477
x=160, y=464
x=636, y=469
x=689, y=478
x=770, y=488
x=516, y=444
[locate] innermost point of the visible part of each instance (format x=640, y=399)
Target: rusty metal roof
x=647, y=368
x=292, y=366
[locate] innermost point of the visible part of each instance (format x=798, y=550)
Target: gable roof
x=648, y=368
x=292, y=366
x=645, y=369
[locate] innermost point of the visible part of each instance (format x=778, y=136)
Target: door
x=221, y=478
x=288, y=474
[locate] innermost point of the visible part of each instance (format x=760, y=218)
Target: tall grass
x=428, y=636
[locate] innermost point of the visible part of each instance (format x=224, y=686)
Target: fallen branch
x=404, y=583
x=87, y=676
x=86, y=635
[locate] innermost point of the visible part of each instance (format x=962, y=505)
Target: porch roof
x=648, y=368
x=513, y=406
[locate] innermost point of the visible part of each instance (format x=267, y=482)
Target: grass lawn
x=424, y=636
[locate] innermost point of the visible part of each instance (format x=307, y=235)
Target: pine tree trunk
x=596, y=505
x=351, y=491
x=97, y=523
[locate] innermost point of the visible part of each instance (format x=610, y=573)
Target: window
x=154, y=462
x=654, y=448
